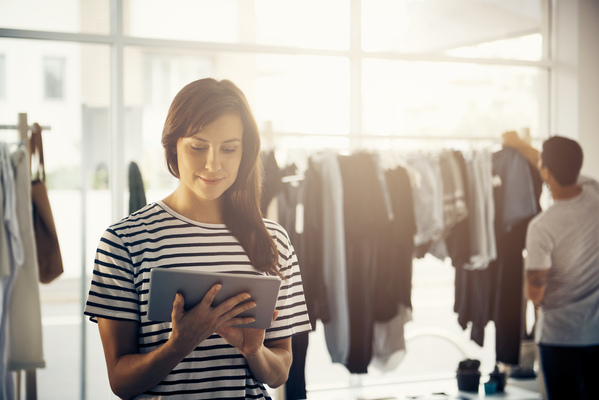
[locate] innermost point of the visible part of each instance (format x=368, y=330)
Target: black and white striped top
x=156, y=236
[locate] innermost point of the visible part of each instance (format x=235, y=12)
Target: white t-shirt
x=564, y=239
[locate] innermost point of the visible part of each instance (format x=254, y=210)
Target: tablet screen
x=193, y=285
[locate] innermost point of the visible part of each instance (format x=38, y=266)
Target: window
x=308, y=24
x=74, y=16
x=318, y=74
x=469, y=100
x=509, y=29
x=2, y=77
x=54, y=78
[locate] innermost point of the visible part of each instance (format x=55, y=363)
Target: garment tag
x=496, y=181
x=299, y=218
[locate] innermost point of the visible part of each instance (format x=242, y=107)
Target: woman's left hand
x=246, y=340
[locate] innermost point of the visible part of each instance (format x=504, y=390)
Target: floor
x=437, y=390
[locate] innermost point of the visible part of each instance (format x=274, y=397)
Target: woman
x=210, y=222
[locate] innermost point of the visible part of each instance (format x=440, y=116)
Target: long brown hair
x=199, y=103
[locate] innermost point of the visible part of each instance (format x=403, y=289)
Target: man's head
x=563, y=158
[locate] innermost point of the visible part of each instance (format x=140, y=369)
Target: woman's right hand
x=190, y=328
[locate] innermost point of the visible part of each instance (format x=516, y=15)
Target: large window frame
x=118, y=41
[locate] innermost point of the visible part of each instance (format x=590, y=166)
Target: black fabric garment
x=474, y=293
x=393, y=280
x=365, y=212
x=471, y=287
x=271, y=179
x=457, y=240
x=310, y=254
x=295, y=387
x=137, y=194
x=508, y=310
x=496, y=292
x=289, y=195
x=474, y=289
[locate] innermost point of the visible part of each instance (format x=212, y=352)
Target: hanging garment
x=25, y=315
x=454, y=202
x=4, y=245
x=311, y=258
x=10, y=221
x=10, y=227
x=519, y=203
x=336, y=328
x=271, y=179
x=365, y=212
x=454, y=193
x=482, y=210
x=389, y=345
x=137, y=194
x=393, y=278
x=428, y=201
x=288, y=198
x=511, y=241
x=295, y=387
x=495, y=293
x=468, y=242
x=305, y=195
x=457, y=241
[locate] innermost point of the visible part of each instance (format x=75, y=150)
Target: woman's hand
x=190, y=328
x=268, y=362
x=131, y=372
x=246, y=340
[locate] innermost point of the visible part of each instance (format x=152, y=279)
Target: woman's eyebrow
x=232, y=140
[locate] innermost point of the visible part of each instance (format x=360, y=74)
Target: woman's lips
x=211, y=181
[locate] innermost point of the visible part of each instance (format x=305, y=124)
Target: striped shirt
x=156, y=236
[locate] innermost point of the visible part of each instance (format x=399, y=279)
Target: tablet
x=193, y=285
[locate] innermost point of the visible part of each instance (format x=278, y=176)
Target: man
x=562, y=270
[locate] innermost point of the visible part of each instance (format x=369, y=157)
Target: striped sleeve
x=112, y=293
x=291, y=304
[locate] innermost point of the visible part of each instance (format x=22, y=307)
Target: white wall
x=588, y=83
x=575, y=82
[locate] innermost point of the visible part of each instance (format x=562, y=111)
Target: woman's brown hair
x=199, y=103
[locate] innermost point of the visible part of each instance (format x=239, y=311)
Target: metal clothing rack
x=30, y=375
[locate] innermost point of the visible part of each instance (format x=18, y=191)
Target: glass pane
x=295, y=23
x=74, y=147
x=54, y=77
x=422, y=99
x=472, y=28
x=288, y=95
x=2, y=77
x=73, y=16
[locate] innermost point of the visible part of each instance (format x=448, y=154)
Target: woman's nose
x=212, y=161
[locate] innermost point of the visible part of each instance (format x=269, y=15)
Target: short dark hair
x=563, y=157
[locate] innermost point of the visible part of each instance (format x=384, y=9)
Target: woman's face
x=209, y=160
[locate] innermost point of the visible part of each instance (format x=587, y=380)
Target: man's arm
x=536, y=282
x=511, y=139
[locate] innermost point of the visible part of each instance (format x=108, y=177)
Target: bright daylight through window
x=340, y=75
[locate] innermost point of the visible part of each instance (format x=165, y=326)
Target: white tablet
x=193, y=285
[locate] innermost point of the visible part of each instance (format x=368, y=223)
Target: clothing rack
x=383, y=137
x=23, y=128
x=30, y=375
